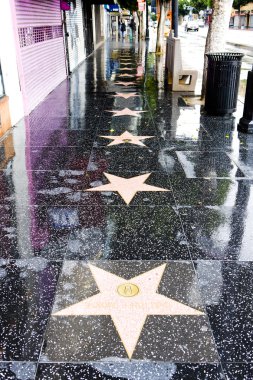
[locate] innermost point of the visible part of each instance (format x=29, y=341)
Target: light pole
x=175, y=17
x=147, y=26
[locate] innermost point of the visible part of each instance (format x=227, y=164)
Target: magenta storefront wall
x=42, y=51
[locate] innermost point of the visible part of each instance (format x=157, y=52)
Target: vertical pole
x=117, y=27
x=147, y=26
x=175, y=17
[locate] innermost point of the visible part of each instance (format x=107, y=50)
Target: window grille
x=34, y=34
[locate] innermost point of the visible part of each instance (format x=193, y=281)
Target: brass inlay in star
x=128, y=290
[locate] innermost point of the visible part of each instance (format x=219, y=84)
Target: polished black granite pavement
x=125, y=261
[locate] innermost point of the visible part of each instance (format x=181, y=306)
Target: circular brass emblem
x=127, y=140
x=128, y=290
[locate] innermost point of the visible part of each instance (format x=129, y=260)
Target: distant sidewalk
x=241, y=39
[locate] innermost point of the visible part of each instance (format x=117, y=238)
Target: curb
x=244, y=47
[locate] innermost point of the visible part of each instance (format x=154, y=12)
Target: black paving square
x=31, y=231
x=208, y=165
x=238, y=371
x=129, y=370
x=27, y=294
x=17, y=370
x=227, y=292
x=208, y=192
x=133, y=233
x=219, y=233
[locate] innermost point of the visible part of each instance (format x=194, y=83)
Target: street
x=193, y=46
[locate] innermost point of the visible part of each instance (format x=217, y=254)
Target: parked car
x=201, y=23
x=192, y=25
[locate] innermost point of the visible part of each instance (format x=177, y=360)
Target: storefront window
x=1, y=83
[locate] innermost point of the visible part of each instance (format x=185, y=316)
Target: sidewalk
x=126, y=233
x=239, y=38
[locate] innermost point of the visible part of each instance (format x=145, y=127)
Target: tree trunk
x=164, y=7
x=216, y=37
x=140, y=26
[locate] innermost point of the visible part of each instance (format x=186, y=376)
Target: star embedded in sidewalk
x=125, y=95
x=127, y=187
x=127, y=75
x=127, y=138
x=126, y=112
x=125, y=83
x=126, y=69
x=128, y=302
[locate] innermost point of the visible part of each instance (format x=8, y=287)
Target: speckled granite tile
x=56, y=187
x=133, y=370
x=18, y=370
x=219, y=233
x=207, y=192
x=238, y=371
x=28, y=231
x=227, y=292
x=208, y=165
x=133, y=233
x=27, y=290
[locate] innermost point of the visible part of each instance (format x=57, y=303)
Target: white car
x=192, y=25
x=201, y=23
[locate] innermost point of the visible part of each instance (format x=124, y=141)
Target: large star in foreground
x=128, y=302
x=126, y=112
x=125, y=95
x=127, y=138
x=125, y=83
x=127, y=187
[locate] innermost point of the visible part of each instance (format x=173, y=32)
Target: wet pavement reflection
x=113, y=174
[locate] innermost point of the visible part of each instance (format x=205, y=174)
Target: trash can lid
x=224, y=56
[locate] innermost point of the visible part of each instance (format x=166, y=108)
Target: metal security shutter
x=251, y=21
x=75, y=30
x=41, y=43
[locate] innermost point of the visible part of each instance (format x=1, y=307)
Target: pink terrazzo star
x=126, y=75
x=125, y=95
x=125, y=83
x=126, y=112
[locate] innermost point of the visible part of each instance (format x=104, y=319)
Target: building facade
x=47, y=40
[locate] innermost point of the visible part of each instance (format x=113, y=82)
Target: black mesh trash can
x=223, y=78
